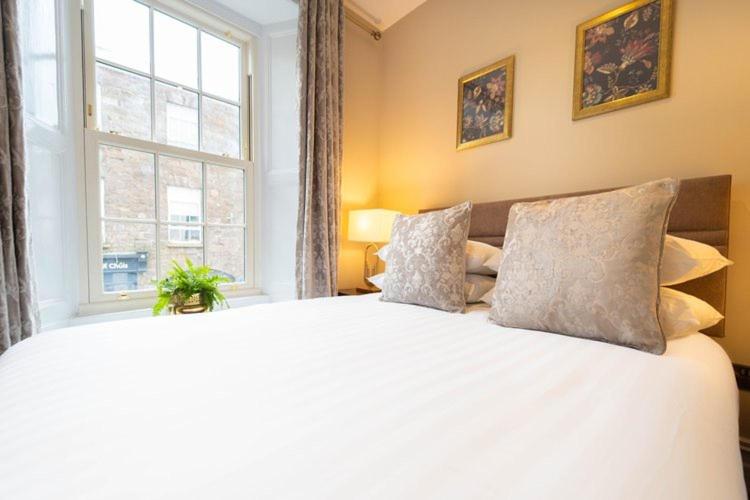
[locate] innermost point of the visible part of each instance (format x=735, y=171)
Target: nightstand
x=356, y=291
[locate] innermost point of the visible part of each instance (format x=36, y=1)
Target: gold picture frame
x=631, y=56
x=491, y=101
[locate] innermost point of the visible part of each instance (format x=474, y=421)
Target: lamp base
x=371, y=269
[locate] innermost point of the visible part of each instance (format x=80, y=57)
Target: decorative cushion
x=587, y=266
x=683, y=260
x=481, y=258
x=680, y=314
x=686, y=260
x=426, y=259
x=476, y=286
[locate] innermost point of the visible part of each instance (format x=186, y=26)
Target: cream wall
x=703, y=129
x=362, y=76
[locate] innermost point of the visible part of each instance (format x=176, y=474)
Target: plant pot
x=192, y=305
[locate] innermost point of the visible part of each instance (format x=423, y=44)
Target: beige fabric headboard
x=701, y=213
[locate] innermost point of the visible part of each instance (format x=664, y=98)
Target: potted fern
x=190, y=289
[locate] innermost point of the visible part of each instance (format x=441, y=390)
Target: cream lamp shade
x=371, y=225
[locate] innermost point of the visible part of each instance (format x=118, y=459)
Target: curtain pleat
x=320, y=60
x=18, y=309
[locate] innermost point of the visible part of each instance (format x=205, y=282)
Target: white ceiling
x=385, y=13
x=382, y=13
x=263, y=11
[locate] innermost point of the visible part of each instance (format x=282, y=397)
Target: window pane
x=180, y=190
x=124, y=102
x=184, y=206
x=122, y=33
x=181, y=201
x=46, y=219
x=175, y=50
x=220, y=67
x=129, y=253
x=221, y=128
x=225, y=251
x=176, y=116
x=185, y=234
x=225, y=195
x=39, y=52
x=177, y=250
x=127, y=183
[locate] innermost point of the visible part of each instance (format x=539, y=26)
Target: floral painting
x=485, y=105
x=619, y=58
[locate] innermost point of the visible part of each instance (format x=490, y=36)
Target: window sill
x=134, y=307
x=139, y=311
x=234, y=303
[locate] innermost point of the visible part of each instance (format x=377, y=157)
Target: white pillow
x=377, y=280
x=494, y=261
x=681, y=314
x=480, y=286
x=475, y=286
x=489, y=297
x=686, y=260
x=477, y=253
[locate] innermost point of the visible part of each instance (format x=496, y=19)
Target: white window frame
x=94, y=138
x=59, y=141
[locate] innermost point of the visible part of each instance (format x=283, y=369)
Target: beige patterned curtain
x=17, y=298
x=320, y=63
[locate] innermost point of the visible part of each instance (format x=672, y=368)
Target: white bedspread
x=350, y=398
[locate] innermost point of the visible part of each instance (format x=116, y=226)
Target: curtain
x=320, y=61
x=17, y=299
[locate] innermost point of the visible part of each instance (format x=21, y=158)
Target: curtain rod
x=362, y=23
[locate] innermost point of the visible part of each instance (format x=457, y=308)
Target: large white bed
x=353, y=398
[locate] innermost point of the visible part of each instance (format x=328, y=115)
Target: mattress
x=353, y=398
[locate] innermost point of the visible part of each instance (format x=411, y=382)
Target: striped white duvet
x=350, y=398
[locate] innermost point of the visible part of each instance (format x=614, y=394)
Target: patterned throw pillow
x=587, y=266
x=426, y=261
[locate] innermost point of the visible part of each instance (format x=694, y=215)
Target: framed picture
x=485, y=105
x=623, y=58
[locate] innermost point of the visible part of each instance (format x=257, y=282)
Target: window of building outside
x=167, y=137
x=184, y=205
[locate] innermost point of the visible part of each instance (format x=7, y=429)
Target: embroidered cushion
x=426, y=259
x=587, y=266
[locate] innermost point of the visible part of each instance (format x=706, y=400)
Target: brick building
x=196, y=209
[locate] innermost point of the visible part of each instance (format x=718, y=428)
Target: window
x=39, y=49
x=45, y=43
x=167, y=138
x=184, y=205
x=182, y=85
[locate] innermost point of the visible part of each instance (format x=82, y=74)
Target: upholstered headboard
x=701, y=213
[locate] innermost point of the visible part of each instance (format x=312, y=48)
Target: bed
x=354, y=398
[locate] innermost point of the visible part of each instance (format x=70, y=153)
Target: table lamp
x=371, y=226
